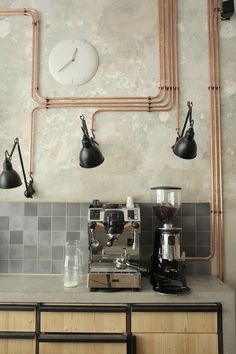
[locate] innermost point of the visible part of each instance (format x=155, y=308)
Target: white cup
x=129, y=202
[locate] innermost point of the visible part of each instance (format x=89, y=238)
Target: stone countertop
x=49, y=288
x=15, y=288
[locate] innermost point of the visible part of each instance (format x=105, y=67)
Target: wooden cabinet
x=180, y=329
x=105, y=329
x=17, y=329
x=83, y=329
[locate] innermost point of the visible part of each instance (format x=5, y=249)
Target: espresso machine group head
x=114, y=232
x=167, y=274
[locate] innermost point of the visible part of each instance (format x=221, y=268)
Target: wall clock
x=73, y=62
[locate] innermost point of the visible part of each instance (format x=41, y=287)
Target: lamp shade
x=186, y=147
x=9, y=178
x=90, y=156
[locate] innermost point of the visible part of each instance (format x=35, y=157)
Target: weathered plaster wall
x=136, y=146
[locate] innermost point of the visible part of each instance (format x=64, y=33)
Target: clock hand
x=70, y=61
x=74, y=55
x=64, y=66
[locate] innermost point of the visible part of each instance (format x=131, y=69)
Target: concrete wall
x=136, y=146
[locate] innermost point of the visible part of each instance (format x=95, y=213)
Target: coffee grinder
x=167, y=274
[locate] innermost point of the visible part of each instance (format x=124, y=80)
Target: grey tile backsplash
x=32, y=235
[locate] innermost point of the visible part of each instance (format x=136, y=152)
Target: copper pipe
x=119, y=104
x=211, y=59
x=220, y=196
x=176, y=55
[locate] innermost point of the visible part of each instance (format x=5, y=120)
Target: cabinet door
x=174, y=343
x=17, y=321
x=17, y=346
x=85, y=348
x=174, y=322
x=81, y=322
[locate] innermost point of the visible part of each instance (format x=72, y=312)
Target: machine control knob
x=94, y=214
x=135, y=225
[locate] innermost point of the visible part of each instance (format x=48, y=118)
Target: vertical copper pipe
x=221, y=218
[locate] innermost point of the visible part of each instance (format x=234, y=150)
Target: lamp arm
x=84, y=126
x=189, y=116
x=9, y=156
x=22, y=167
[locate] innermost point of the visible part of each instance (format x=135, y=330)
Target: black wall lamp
x=185, y=145
x=90, y=155
x=9, y=178
x=227, y=10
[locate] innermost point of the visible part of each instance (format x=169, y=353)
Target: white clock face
x=73, y=62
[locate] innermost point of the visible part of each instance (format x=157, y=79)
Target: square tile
x=44, y=267
x=58, y=209
x=58, y=237
x=203, y=223
x=30, y=266
x=44, y=223
x=4, y=252
x=57, y=252
x=57, y=267
x=44, y=209
x=203, y=209
x=203, y=238
x=188, y=223
x=73, y=209
x=146, y=209
x=44, y=252
x=30, y=237
x=73, y=223
x=203, y=267
x=16, y=223
x=44, y=237
x=58, y=223
x=84, y=209
x=4, y=266
x=4, y=237
x=16, y=252
x=188, y=239
x=190, y=251
x=31, y=209
x=84, y=224
x=30, y=252
x=16, y=209
x=188, y=209
x=4, y=222
x=72, y=236
x=30, y=222
x=16, y=237
x=15, y=266
x=203, y=251
x=4, y=209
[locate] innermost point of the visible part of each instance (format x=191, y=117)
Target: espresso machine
x=167, y=262
x=114, y=231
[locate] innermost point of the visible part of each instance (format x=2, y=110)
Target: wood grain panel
x=85, y=348
x=17, y=321
x=92, y=322
x=176, y=343
x=17, y=346
x=190, y=322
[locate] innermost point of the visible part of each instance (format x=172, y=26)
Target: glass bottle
x=72, y=264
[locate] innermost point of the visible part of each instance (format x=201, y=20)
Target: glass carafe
x=72, y=264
